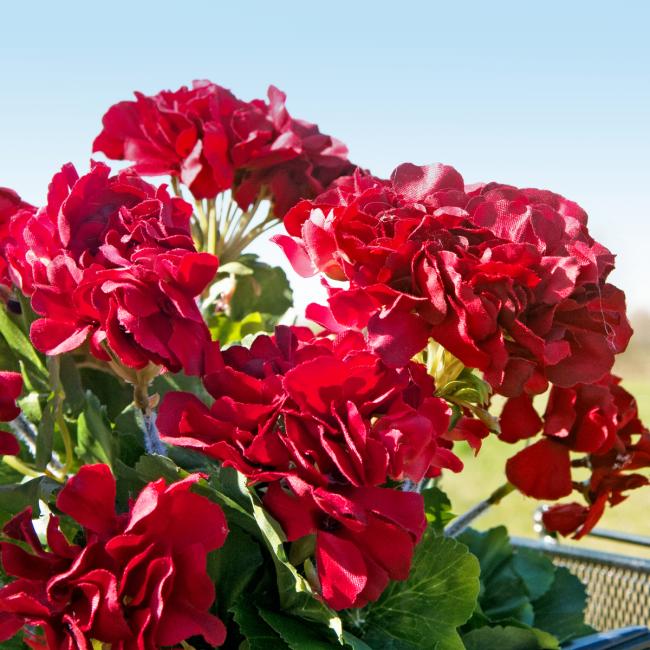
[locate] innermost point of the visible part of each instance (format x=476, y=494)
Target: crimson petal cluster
x=599, y=421
x=10, y=205
x=323, y=425
x=110, y=260
x=11, y=385
x=138, y=580
x=212, y=141
x=508, y=280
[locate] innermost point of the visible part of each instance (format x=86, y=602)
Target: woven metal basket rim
x=640, y=565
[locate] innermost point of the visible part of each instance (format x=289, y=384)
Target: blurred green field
x=484, y=473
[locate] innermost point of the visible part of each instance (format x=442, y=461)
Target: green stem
x=203, y=219
x=458, y=525
x=15, y=463
x=176, y=188
x=213, y=227
x=54, y=367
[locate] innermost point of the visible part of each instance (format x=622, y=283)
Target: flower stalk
x=464, y=521
x=146, y=404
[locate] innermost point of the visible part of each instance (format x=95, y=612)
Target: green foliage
x=258, y=634
x=522, y=594
x=31, y=363
x=560, y=610
x=233, y=568
x=296, y=595
x=94, y=435
x=437, y=508
x=294, y=632
x=16, y=497
x=425, y=610
x=228, y=331
x=266, y=290
x=470, y=391
x=248, y=297
x=508, y=638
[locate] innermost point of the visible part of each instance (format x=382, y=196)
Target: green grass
x=484, y=473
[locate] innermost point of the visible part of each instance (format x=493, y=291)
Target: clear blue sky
x=552, y=94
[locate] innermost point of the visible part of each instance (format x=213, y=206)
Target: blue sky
x=553, y=94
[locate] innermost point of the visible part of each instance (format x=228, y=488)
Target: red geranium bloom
x=111, y=259
x=282, y=158
x=364, y=535
x=599, y=420
x=11, y=385
x=213, y=142
x=184, y=133
x=508, y=280
x=138, y=582
x=327, y=411
x=10, y=204
x=329, y=421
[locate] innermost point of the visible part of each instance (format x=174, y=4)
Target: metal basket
x=618, y=586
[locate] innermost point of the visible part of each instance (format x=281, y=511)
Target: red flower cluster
x=110, y=259
x=598, y=420
x=10, y=204
x=213, y=142
x=11, y=385
x=325, y=423
x=508, y=280
x=138, y=581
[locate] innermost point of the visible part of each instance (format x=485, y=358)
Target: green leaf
x=535, y=569
x=506, y=638
x=425, y=610
x=45, y=437
x=266, y=291
x=296, y=633
x=8, y=360
x=228, y=331
x=506, y=597
x=492, y=548
x=296, y=596
x=14, y=498
x=259, y=635
x=129, y=437
x=504, y=594
x=30, y=405
x=169, y=381
x=22, y=347
x=113, y=394
x=8, y=475
x=560, y=610
x=235, y=268
x=437, y=507
x=234, y=566
x=15, y=643
x=354, y=642
x=94, y=435
x=75, y=396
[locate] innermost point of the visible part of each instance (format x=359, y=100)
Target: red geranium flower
x=111, y=259
x=508, y=280
x=364, y=535
x=184, y=133
x=327, y=411
x=11, y=385
x=282, y=158
x=213, y=142
x=329, y=421
x=10, y=204
x=139, y=580
x=599, y=420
